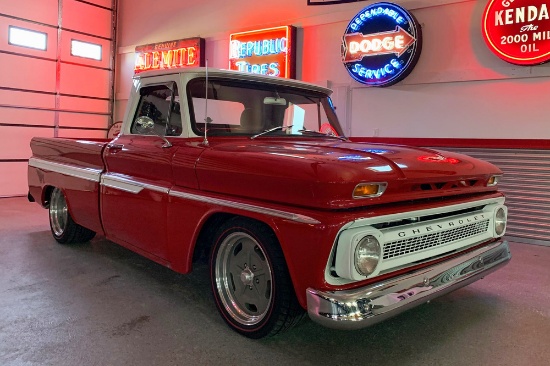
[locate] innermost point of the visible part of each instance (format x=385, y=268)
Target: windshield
x=251, y=108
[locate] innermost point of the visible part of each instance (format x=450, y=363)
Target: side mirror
x=145, y=125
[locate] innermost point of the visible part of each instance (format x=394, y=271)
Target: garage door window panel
x=27, y=38
x=86, y=50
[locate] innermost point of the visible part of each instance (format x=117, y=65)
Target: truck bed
x=74, y=165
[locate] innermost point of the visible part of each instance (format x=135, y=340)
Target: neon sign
x=381, y=44
x=267, y=51
x=518, y=31
x=170, y=55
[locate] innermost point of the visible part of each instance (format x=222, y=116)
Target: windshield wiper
x=269, y=131
x=311, y=132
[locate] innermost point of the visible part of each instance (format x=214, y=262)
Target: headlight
x=367, y=255
x=500, y=221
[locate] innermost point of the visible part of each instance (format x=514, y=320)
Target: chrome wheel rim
x=58, y=212
x=243, y=279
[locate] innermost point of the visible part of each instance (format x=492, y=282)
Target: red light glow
x=438, y=159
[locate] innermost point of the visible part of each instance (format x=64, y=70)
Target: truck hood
x=324, y=174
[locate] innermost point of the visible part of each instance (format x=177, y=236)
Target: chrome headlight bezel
x=345, y=255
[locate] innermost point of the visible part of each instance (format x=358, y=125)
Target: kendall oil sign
x=381, y=44
x=518, y=31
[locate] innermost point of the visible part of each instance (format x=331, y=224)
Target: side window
x=161, y=104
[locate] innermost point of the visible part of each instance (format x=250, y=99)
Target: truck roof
x=235, y=75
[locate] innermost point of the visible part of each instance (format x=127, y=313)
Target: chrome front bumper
x=359, y=308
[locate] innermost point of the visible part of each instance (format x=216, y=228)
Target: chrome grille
x=411, y=245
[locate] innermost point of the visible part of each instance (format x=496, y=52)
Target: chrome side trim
x=129, y=185
x=246, y=207
x=362, y=307
x=90, y=174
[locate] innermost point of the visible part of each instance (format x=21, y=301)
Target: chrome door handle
x=115, y=147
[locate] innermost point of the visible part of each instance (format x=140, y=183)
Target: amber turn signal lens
x=493, y=181
x=367, y=190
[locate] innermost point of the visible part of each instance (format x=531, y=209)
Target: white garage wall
x=515, y=109
x=458, y=89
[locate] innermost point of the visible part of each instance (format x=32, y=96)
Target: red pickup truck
x=253, y=173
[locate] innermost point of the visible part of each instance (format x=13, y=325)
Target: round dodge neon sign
x=381, y=45
x=518, y=31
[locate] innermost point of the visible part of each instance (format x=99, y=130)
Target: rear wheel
x=64, y=229
x=250, y=280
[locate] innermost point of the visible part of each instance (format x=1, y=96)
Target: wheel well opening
x=46, y=195
x=208, y=231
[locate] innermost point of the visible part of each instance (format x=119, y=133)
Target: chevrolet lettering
x=442, y=226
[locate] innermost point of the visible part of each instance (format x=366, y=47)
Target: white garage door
x=56, y=77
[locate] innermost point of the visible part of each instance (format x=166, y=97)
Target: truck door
x=135, y=187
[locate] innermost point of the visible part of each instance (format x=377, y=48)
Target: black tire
x=250, y=280
x=63, y=228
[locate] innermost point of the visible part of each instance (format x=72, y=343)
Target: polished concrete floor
x=100, y=304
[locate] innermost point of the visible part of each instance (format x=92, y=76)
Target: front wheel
x=250, y=280
x=64, y=229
